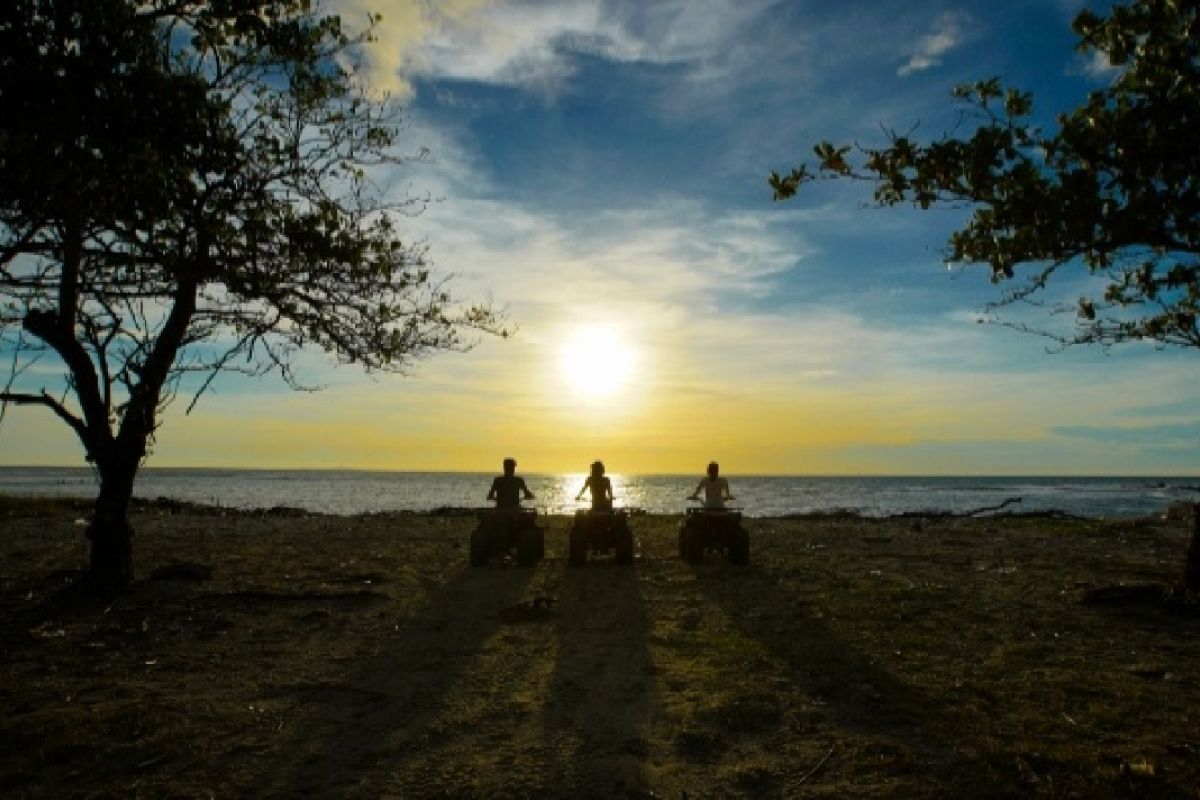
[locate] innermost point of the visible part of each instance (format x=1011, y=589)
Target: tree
x=1113, y=188
x=186, y=189
x=1116, y=188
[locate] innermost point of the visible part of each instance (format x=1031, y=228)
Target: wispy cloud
x=1170, y=437
x=1186, y=409
x=666, y=246
x=401, y=35
x=948, y=33
x=534, y=45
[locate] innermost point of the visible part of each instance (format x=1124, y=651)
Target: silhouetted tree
x=1113, y=189
x=186, y=187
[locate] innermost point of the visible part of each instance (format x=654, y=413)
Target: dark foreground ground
x=283, y=656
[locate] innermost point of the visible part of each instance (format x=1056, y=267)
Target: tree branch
x=44, y=399
x=139, y=419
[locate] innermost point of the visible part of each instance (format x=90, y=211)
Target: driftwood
x=998, y=510
x=953, y=514
x=1008, y=502
x=814, y=770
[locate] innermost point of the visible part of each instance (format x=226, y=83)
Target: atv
x=717, y=529
x=600, y=532
x=500, y=532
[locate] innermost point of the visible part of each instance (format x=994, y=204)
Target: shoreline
x=172, y=506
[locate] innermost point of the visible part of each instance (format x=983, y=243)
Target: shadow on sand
x=602, y=689
x=876, y=726
x=359, y=733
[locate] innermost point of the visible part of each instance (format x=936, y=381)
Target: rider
x=600, y=486
x=508, y=488
x=716, y=489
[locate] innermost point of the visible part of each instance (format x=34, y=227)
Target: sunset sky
x=599, y=170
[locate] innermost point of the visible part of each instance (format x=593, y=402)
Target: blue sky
x=601, y=166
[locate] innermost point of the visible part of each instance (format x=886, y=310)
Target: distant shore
x=281, y=652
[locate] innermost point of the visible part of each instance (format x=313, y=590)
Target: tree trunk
x=111, y=567
x=112, y=537
x=1191, y=573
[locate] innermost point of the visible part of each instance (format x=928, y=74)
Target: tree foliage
x=1113, y=187
x=189, y=186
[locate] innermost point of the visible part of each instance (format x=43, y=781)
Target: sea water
x=353, y=492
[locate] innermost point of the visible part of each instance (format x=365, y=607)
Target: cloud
x=535, y=45
x=949, y=32
x=664, y=246
x=1184, y=436
x=1188, y=408
x=401, y=35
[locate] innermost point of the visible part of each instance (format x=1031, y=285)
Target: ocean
x=354, y=492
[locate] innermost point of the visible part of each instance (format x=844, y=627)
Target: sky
x=598, y=170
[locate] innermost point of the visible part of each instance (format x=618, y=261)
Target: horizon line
x=412, y=471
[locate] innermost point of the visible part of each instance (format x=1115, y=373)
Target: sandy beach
x=282, y=655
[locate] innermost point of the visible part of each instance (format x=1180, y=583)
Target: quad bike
x=500, y=532
x=713, y=529
x=600, y=532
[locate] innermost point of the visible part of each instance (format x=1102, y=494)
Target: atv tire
x=481, y=546
x=623, y=544
x=693, y=546
x=577, y=547
x=527, y=546
x=739, y=546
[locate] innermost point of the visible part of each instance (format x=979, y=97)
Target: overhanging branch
x=44, y=399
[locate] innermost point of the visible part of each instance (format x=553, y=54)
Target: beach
x=286, y=653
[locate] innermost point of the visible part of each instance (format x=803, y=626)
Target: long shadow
x=891, y=720
x=839, y=677
x=603, y=685
x=360, y=730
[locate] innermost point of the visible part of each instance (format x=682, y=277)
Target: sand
x=277, y=655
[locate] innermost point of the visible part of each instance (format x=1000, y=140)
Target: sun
x=596, y=361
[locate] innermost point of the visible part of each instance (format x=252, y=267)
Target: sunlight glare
x=596, y=361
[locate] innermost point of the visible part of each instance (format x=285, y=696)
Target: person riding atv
x=715, y=488
x=602, y=528
x=714, y=526
x=507, y=489
x=600, y=486
x=508, y=527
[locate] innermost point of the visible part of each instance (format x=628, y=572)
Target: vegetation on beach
x=289, y=653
